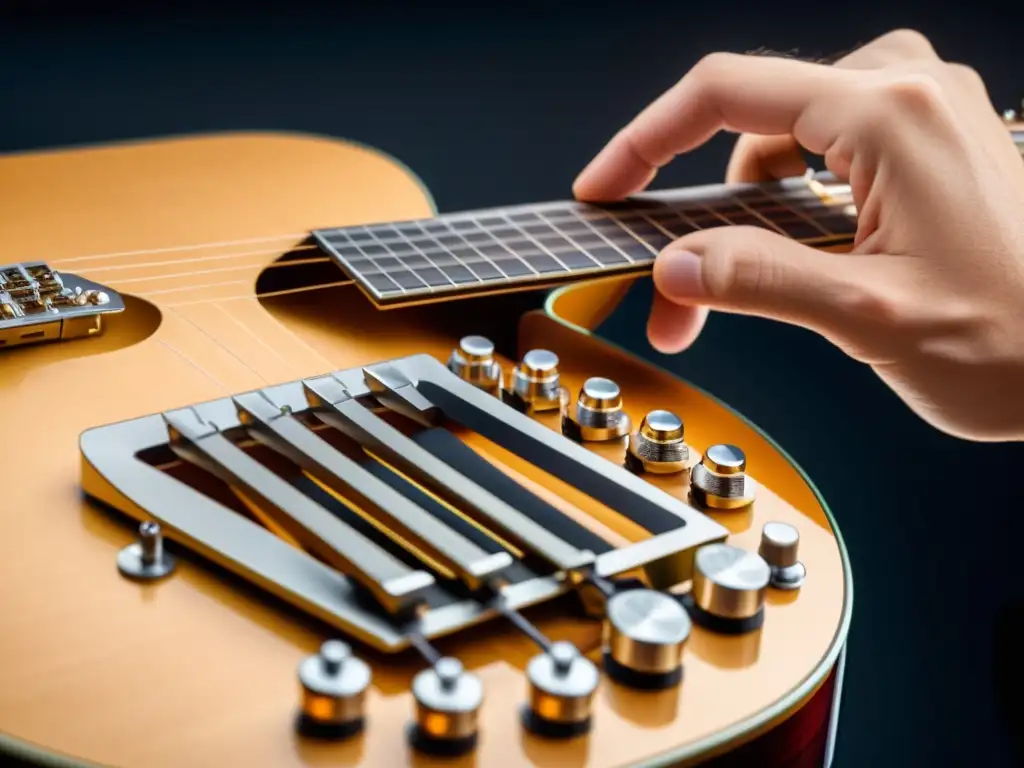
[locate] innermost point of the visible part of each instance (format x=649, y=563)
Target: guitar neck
x=538, y=245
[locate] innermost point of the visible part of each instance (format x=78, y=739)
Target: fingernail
x=678, y=275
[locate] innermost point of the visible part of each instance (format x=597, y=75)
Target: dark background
x=496, y=106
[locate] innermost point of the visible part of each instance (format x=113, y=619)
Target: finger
x=724, y=91
x=769, y=158
x=765, y=158
x=752, y=271
x=674, y=327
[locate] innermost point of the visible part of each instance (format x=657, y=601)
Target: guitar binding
x=366, y=510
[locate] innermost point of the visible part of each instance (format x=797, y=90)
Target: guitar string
x=245, y=254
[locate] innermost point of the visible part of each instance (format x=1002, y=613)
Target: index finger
x=749, y=94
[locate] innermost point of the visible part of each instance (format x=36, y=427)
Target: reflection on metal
x=336, y=565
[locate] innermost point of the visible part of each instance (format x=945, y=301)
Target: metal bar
x=678, y=528
x=333, y=405
x=396, y=586
x=274, y=425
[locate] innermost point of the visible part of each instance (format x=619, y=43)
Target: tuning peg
x=720, y=480
x=562, y=683
x=646, y=633
x=536, y=382
x=473, y=361
x=599, y=414
x=334, y=684
x=448, y=701
x=657, y=446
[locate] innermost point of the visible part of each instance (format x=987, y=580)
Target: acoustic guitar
x=299, y=472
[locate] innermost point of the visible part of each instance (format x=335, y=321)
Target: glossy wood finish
x=200, y=670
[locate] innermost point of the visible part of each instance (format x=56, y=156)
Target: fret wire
x=800, y=212
x=459, y=261
x=421, y=233
x=502, y=244
x=538, y=244
x=827, y=208
x=654, y=223
x=579, y=248
x=629, y=259
x=758, y=215
x=632, y=233
x=483, y=255
x=373, y=261
x=375, y=236
x=689, y=220
x=715, y=214
x=422, y=253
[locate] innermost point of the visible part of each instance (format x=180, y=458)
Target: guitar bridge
x=353, y=497
x=38, y=304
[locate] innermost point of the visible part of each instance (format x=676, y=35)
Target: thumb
x=748, y=270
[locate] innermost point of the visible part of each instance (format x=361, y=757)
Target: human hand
x=931, y=295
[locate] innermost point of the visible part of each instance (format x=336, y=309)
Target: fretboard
x=502, y=249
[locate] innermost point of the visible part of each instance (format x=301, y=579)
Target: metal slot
x=420, y=383
x=273, y=424
x=337, y=408
x=397, y=587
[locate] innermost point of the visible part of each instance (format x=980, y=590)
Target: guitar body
x=199, y=669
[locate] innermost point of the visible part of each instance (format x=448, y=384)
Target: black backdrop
x=495, y=106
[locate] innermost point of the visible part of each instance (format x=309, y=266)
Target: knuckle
x=914, y=93
x=711, y=66
x=870, y=305
x=909, y=42
x=966, y=75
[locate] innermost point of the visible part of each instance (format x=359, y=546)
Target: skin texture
x=932, y=294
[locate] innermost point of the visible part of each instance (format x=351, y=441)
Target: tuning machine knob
x=473, y=361
x=562, y=683
x=779, y=548
x=728, y=591
x=536, y=383
x=334, y=684
x=448, y=701
x=720, y=480
x=645, y=635
x=657, y=446
x=599, y=414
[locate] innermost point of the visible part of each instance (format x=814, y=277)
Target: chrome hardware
x=336, y=569
x=646, y=634
x=334, y=684
x=657, y=446
x=38, y=304
x=599, y=415
x=448, y=700
x=720, y=480
x=473, y=361
x=562, y=684
x=536, y=383
x=779, y=547
x=146, y=559
x=729, y=586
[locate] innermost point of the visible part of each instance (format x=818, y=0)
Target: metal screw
x=334, y=653
x=562, y=655
x=146, y=559
x=448, y=671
